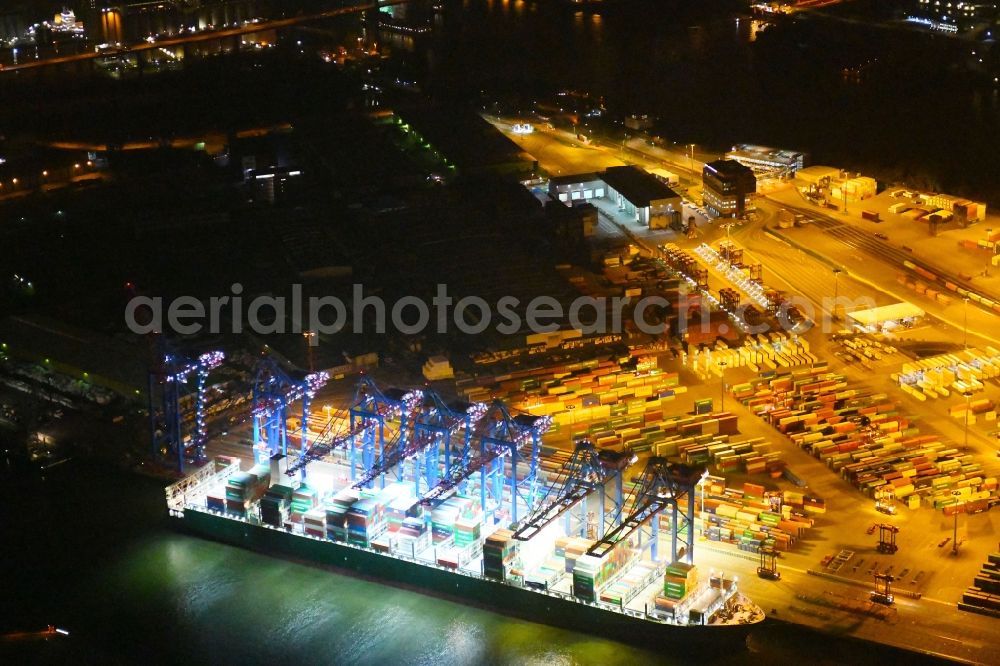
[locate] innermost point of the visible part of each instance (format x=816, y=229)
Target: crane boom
x=320, y=448
x=586, y=471
x=649, y=507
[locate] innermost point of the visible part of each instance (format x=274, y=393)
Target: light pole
x=968, y=395
x=965, y=325
x=309, y=336
x=704, y=479
x=989, y=232
x=691, y=157
x=954, y=531
x=722, y=382
x=836, y=290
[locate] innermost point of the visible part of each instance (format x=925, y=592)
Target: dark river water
x=91, y=551
x=895, y=103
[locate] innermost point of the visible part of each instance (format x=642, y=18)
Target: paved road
x=861, y=240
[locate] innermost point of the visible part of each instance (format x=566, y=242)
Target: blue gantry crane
x=662, y=485
x=501, y=437
x=387, y=429
x=388, y=414
x=375, y=419
x=177, y=424
x=275, y=390
x=434, y=424
x=588, y=472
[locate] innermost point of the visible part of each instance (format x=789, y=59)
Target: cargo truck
x=870, y=215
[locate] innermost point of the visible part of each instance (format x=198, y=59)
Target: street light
x=965, y=325
x=954, y=531
x=836, y=290
x=968, y=395
x=989, y=232
x=701, y=484
x=722, y=391
x=309, y=337
x=691, y=157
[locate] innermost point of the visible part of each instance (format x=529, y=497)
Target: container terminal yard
x=733, y=468
x=407, y=487
x=797, y=465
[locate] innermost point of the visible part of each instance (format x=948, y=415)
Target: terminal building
x=637, y=193
x=834, y=184
x=576, y=187
x=765, y=160
x=727, y=185
x=642, y=195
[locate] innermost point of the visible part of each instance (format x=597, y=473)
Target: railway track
x=864, y=241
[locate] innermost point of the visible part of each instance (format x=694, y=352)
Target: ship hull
x=492, y=595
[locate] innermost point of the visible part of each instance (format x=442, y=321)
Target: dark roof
x=637, y=185
x=122, y=360
x=462, y=136
x=729, y=168
x=574, y=178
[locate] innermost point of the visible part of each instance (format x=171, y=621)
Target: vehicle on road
x=881, y=598
x=885, y=508
x=768, y=574
x=881, y=236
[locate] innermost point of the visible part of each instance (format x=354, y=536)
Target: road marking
x=938, y=601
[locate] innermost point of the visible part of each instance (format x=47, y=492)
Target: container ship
x=541, y=568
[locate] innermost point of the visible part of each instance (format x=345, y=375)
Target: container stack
x=448, y=557
x=336, y=513
x=215, y=499
x=586, y=577
x=365, y=521
x=262, y=480
x=314, y=523
x=444, y=515
x=467, y=531
x=866, y=438
x=984, y=595
x=591, y=573
x=753, y=456
x=679, y=579
x=221, y=462
x=665, y=604
x=274, y=505
x=608, y=400
x=547, y=574
x=303, y=499
x=240, y=490
x=570, y=548
x=750, y=517
x=412, y=536
x=401, y=508
x=499, y=552
x=384, y=543
x=945, y=374
x=631, y=583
